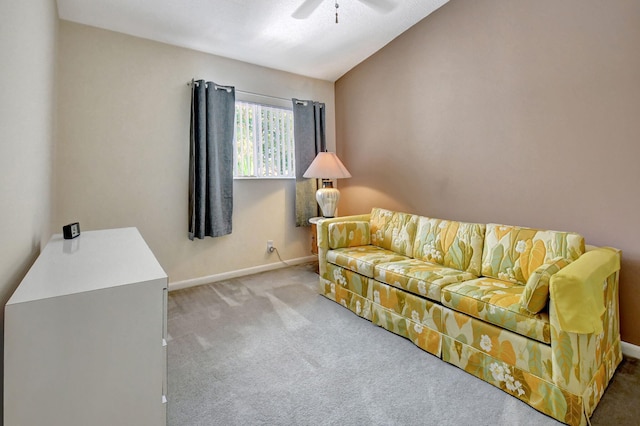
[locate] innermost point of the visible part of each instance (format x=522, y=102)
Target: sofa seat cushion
x=497, y=302
x=418, y=277
x=362, y=259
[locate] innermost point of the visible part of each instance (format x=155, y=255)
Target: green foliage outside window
x=264, y=145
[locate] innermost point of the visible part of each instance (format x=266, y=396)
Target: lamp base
x=327, y=198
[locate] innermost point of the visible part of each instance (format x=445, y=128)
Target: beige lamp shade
x=327, y=166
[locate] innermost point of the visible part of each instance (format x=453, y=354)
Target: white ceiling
x=261, y=32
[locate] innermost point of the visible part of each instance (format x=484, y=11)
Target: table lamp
x=327, y=166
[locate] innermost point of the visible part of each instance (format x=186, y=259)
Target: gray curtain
x=309, y=136
x=211, y=159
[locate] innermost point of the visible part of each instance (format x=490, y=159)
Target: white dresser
x=85, y=335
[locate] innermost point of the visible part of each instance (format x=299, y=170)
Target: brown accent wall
x=517, y=112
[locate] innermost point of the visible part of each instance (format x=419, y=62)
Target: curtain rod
x=244, y=92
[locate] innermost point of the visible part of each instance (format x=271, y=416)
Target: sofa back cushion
x=513, y=253
x=393, y=230
x=449, y=243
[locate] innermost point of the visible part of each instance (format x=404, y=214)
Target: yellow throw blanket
x=577, y=290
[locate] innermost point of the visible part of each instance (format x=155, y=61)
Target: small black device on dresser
x=71, y=231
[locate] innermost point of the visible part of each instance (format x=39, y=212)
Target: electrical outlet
x=270, y=247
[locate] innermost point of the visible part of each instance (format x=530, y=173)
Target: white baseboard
x=630, y=350
x=178, y=285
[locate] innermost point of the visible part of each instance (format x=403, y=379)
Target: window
x=263, y=143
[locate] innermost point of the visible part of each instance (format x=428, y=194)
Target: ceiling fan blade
x=383, y=6
x=306, y=9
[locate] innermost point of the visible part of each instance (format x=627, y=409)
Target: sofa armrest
x=577, y=290
x=349, y=234
x=579, y=357
x=323, y=236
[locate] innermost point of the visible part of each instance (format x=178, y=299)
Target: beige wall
x=28, y=32
x=515, y=112
x=123, y=151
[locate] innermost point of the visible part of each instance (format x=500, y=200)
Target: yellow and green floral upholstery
x=362, y=259
x=541, y=394
x=352, y=281
x=393, y=231
x=323, y=236
x=497, y=302
x=418, y=277
x=349, y=234
x=503, y=345
x=351, y=290
x=512, y=253
x=501, y=302
x=449, y=243
x=413, y=317
x=536, y=293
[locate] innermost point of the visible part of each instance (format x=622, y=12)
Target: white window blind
x=263, y=142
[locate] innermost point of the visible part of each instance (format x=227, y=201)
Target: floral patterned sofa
x=532, y=312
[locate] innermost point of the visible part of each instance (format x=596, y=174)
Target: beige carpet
x=268, y=350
